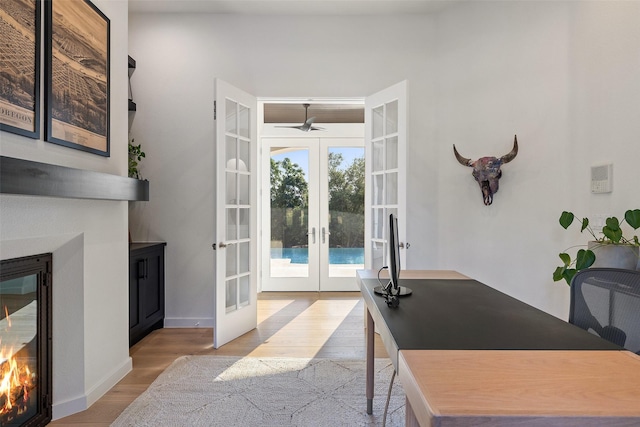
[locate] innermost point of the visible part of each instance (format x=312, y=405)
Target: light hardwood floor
x=291, y=324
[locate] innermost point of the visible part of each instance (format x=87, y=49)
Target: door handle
x=222, y=245
x=325, y=233
x=313, y=234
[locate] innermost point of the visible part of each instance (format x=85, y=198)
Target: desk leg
x=410, y=416
x=370, y=361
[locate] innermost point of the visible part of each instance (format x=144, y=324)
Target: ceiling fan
x=308, y=122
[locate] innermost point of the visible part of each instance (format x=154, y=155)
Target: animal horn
x=512, y=154
x=463, y=160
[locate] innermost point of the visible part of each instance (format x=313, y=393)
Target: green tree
x=289, y=203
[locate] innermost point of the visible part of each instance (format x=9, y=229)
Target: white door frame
x=398, y=92
x=317, y=276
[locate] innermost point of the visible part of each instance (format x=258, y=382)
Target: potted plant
x=612, y=239
x=135, y=155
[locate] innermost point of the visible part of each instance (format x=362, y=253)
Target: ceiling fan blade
x=307, y=125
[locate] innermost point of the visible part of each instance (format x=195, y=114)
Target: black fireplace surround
x=26, y=338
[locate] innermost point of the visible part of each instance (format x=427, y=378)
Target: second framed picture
x=77, y=72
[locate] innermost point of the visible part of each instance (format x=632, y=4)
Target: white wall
x=91, y=328
x=561, y=76
x=179, y=55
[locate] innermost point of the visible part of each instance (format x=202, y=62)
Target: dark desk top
x=468, y=315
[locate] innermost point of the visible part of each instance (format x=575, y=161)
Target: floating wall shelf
x=26, y=177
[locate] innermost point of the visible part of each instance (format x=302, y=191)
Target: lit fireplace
x=25, y=341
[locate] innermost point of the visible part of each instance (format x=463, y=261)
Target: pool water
x=336, y=255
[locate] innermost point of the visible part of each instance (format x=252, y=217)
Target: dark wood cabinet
x=146, y=289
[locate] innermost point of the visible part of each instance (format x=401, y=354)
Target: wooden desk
x=523, y=388
x=385, y=333
x=451, y=312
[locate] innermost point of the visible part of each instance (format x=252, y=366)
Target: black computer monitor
x=393, y=290
x=394, y=254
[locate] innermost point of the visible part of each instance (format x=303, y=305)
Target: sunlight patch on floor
x=332, y=314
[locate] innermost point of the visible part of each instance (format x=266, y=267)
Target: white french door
x=386, y=161
x=313, y=235
x=235, y=213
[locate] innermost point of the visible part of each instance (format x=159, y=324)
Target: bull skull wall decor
x=486, y=170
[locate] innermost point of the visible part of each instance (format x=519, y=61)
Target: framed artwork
x=77, y=56
x=20, y=65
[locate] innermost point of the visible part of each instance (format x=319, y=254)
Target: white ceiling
x=292, y=7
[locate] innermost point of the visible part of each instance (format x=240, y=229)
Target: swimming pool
x=336, y=255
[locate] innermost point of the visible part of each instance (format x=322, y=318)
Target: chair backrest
x=606, y=302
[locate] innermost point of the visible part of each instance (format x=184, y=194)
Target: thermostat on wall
x=602, y=179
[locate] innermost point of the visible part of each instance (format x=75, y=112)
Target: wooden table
x=525, y=388
x=450, y=314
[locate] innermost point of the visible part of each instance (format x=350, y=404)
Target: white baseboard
x=70, y=407
x=81, y=403
x=187, y=322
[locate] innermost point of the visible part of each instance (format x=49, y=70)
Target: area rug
x=266, y=391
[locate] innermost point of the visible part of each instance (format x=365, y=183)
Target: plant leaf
x=558, y=274
x=633, y=218
x=585, y=224
x=566, y=218
x=566, y=259
x=585, y=259
x=568, y=275
x=612, y=230
x=613, y=223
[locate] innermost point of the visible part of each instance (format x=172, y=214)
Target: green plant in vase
x=135, y=156
x=612, y=234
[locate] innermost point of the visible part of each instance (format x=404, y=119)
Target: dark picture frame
x=78, y=75
x=20, y=24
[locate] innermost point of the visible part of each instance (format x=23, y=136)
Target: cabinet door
x=146, y=291
x=136, y=272
x=152, y=289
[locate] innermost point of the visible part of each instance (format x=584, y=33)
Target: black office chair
x=606, y=302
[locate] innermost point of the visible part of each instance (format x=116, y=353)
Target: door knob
x=313, y=234
x=325, y=233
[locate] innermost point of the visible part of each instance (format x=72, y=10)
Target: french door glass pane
x=243, y=189
x=392, y=153
x=231, y=188
x=377, y=121
x=245, y=288
x=392, y=188
x=231, y=226
x=231, y=295
x=243, y=223
x=244, y=249
x=392, y=117
x=244, y=121
x=377, y=255
x=231, y=152
x=230, y=122
x=377, y=221
x=289, y=255
x=232, y=264
x=244, y=156
x=346, y=210
x=377, y=156
x=378, y=189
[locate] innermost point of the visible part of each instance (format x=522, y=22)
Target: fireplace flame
x=16, y=380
